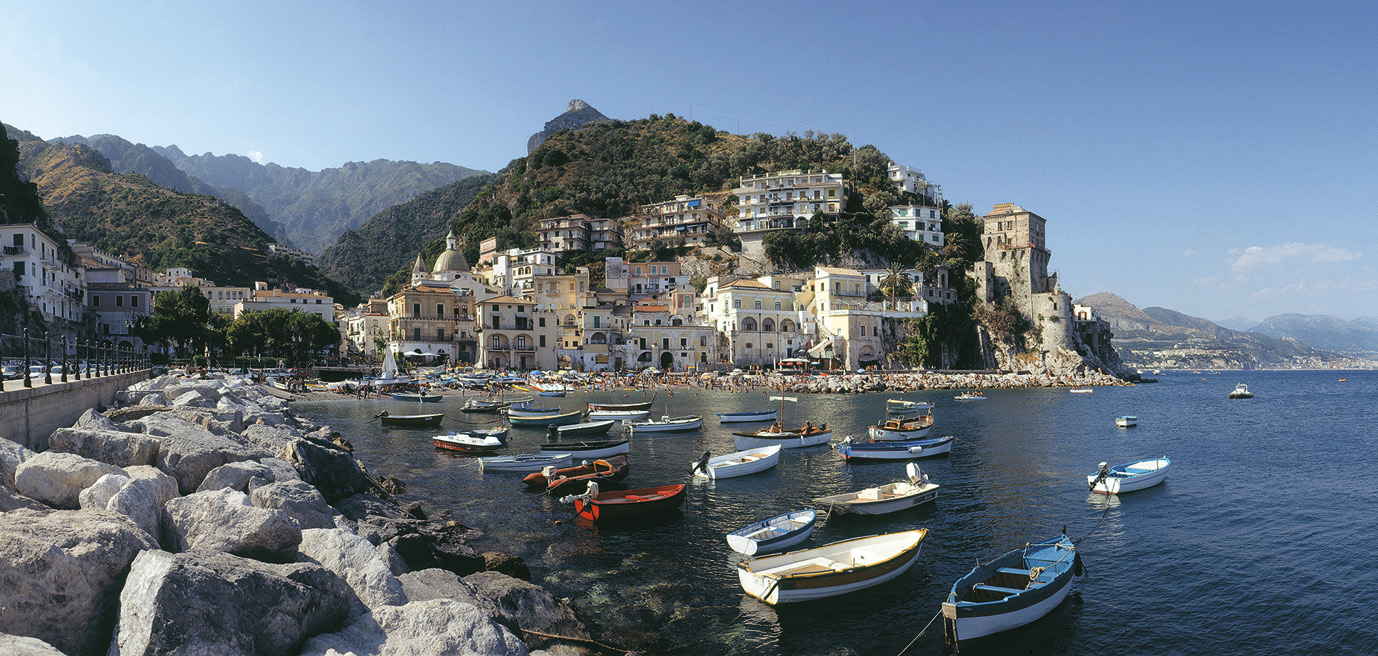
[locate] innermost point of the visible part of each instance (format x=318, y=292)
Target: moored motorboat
x=775, y=534
x=1127, y=421
x=572, y=480
x=832, y=569
x=911, y=428
x=1241, y=391
x=736, y=464
x=901, y=407
x=550, y=420
x=619, y=415
x=666, y=424
x=747, y=417
x=1128, y=477
x=580, y=430
x=467, y=443
x=887, y=498
x=526, y=462
x=895, y=450
x=585, y=450
x=1011, y=591
x=617, y=505
x=409, y=421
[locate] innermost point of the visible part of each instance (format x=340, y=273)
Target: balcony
x=14, y=250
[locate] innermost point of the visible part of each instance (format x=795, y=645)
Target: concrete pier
x=29, y=415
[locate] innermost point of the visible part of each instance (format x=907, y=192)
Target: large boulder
x=332, y=471
x=10, y=500
x=189, y=451
x=96, y=421
x=215, y=603
x=20, y=646
x=236, y=476
x=61, y=573
x=224, y=520
x=57, y=479
x=427, y=584
x=96, y=496
x=524, y=605
x=12, y=454
x=356, y=561
x=271, y=437
x=439, y=627
x=115, y=447
x=303, y=503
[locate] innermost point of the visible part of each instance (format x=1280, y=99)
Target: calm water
x=1261, y=540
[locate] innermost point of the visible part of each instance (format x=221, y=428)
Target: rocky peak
x=577, y=115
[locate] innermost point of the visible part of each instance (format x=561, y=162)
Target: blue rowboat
x=775, y=534
x=1128, y=477
x=895, y=450
x=417, y=398
x=744, y=417
x=532, y=412
x=547, y=420
x=1012, y=590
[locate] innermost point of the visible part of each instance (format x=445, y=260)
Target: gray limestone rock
x=224, y=520
x=10, y=500
x=11, y=455
x=332, y=471
x=282, y=470
x=20, y=646
x=57, y=479
x=301, y=502
x=235, y=476
x=141, y=501
x=203, y=603
x=396, y=564
x=165, y=486
x=427, y=584
x=356, y=561
x=96, y=496
x=153, y=399
x=189, y=451
x=61, y=572
x=273, y=437
x=524, y=605
x=116, y=447
x=439, y=627
x=97, y=421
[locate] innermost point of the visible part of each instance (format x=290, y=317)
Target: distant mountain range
x=1242, y=324
x=1156, y=337
x=1358, y=337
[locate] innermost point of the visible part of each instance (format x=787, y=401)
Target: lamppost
x=48, y=359
x=27, y=383
x=64, y=358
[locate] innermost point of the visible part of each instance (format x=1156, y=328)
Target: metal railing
x=74, y=359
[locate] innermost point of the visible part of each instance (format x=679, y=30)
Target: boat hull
x=850, y=503
x=975, y=608
x=617, y=506
x=412, y=421
x=525, y=463
x=745, y=441
x=589, y=449
x=741, y=463
x=775, y=534
x=1131, y=477
x=896, y=450
x=1126, y=422
x=904, y=435
x=645, y=405
x=672, y=426
x=970, y=627
x=413, y=398
x=465, y=444
x=747, y=417
x=579, y=430
x=552, y=420
x=619, y=415
x=758, y=579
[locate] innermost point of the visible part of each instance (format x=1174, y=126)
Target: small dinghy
x=619, y=415
x=887, y=498
x=581, y=430
x=911, y=428
x=1127, y=421
x=409, y=421
x=467, y=443
x=573, y=479
x=1012, y=590
x=666, y=424
x=775, y=534
x=599, y=506
x=747, y=417
x=1128, y=477
x=902, y=408
x=526, y=462
x=531, y=412
x=832, y=569
x=894, y=450
x=547, y=420
x=586, y=450
x=806, y=435
x=737, y=464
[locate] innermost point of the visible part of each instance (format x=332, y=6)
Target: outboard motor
x=1102, y=471
x=702, y=464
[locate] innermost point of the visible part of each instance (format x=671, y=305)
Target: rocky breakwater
x=200, y=516
x=909, y=382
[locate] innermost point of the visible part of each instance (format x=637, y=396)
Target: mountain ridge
x=1322, y=331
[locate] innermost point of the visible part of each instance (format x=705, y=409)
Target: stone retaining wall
x=29, y=415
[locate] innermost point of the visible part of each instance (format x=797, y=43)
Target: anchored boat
x=887, y=498
x=895, y=450
x=832, y=569
x=1128, y=477
x=775, y=534
x=736, y=464
x=1012, y=590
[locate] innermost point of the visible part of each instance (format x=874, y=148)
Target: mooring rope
x=921, y=632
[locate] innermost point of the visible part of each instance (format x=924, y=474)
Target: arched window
x=749, y=324
x=768, y=325
x=786, y=326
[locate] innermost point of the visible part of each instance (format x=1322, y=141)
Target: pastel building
x=784, y=201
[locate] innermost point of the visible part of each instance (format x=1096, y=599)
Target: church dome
x=451, y=259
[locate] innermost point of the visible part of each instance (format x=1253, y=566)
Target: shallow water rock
x=427, y=584
x=301, y=502
x=116, y=447
x=437, y=627
x=355, y=560
x=525, y=605
x=61, y=572
x=57, y=479
x=224, y=520
x=216, y=603
x=505, y=563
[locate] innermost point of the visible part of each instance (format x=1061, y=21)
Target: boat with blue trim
x=1015, y=589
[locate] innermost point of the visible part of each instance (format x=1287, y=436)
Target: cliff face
x=576, y=116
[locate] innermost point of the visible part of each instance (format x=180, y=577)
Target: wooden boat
x=895, y=450
x=580, y=430
x=799, y=438
x=619, y=415
x=572, y=480
x=467, y=443
x=494, y=406
x=1128, y=477
x=497, y=432
x=1127, y=421
x=584, y=450
x=910, y=428
x=526, y=462
x=547, y=420
x=666, y=424
x=600, y=506
x=1241, y=391
x=974, y=395
x=531, y=412
x=737, y=464
x=1012, y=590
x=887, y=498
x=642, y=405
x=831, y=569
x=417, y=398
x=409, y=421
x=775, y=534
x=747, y=417
x=901, y=407
x=1081, y=390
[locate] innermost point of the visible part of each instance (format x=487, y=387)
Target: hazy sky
x=1215, y=158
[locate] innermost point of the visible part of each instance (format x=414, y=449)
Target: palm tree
x=896, y=279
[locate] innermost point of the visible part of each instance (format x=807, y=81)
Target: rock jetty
x=201, y=516
x=946, y=380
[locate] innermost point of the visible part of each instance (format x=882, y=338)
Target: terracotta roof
x=651, y=308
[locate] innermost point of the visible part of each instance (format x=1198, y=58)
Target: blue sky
x=1214, y=158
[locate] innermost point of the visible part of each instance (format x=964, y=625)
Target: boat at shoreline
x=640, y=405
x=467, y=443
x=418, y=397
x=1015, y=589
x=832, y=569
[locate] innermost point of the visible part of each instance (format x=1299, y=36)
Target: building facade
x=919, y=223
x=784, y=201
x=45, y=274
x=515, y=335
x=691, y=218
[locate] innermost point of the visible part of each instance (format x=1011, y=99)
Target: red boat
x=628, y=504
x=572, y=480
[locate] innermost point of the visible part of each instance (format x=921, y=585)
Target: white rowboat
x=887, y=498
x=832, y=569
x=775, y=534
x=526, y=462
x=737, y=464
x=1128, y=477
x=666, y=425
